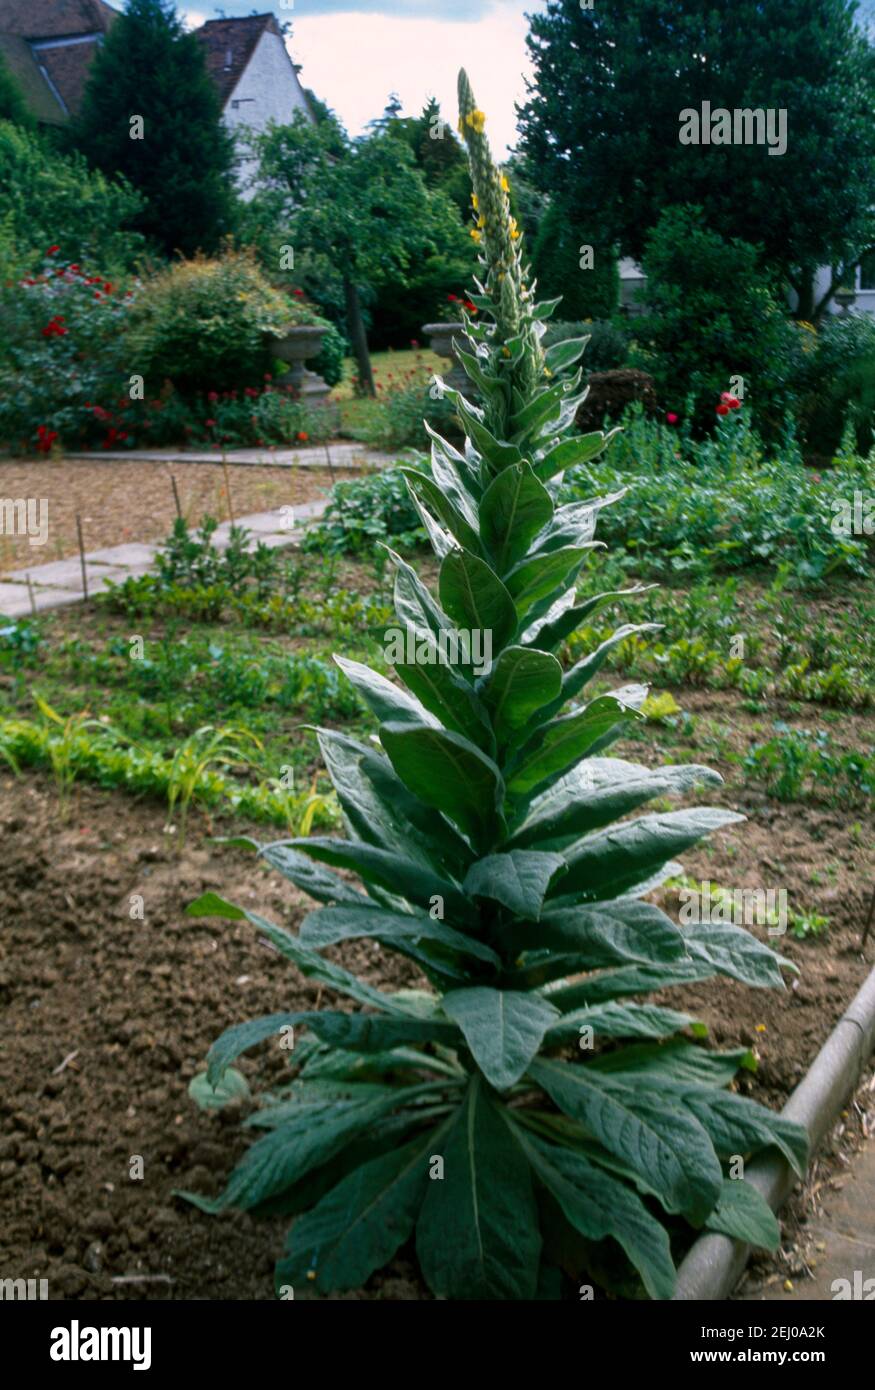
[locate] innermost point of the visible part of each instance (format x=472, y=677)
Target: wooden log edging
x=714, y=1265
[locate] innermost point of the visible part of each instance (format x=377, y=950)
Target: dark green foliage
x=13, y=106
x=611, y=81
x=556, y=255
x=713, y=316
x=49, y=199
x=490, y=838
x=150, y=67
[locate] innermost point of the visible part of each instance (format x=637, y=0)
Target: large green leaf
x=738, y=1125
x=598, y=792
x=329, y=925
x=668, y=1149
x=565, y=741
x=614, y=1020
x=382, y=812
x=385, y=700
x=743, y=1213
x=522, y=681
x=314, y=1134
x=313, y=879
x=612, y=862
x=447, y=696
x=358, y=1226
x=606, y=985
x=676, y=1062
x=737, y=953
x=503, y=1029
x=581, y=674
x=463, y=525
x=571, y=452
x=519, y=879
x=607, y=933
x=540, y=576
x=447, y=772
x=239, y=1038
x=474, y=596
x=563, y=355
x=477, y=1235
x=377, y=1033
x=598, y=1205
x=412, y=878
x=514, y=508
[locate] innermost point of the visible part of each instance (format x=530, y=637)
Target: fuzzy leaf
x=518, y=879
x=477, y=1235
x=503, y=1029
x=743, y=1213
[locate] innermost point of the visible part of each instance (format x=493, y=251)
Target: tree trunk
x=358, y=336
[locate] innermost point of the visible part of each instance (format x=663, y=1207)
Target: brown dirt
x=140, y=1002
x=120, y=501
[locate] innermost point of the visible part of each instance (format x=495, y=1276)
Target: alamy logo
x=738, y=907
x=860, y=1291
x=25, y=516
x=75, y=1343
x=741, y=126
x=853, y=518
x=23, y=1290
x=456, y=646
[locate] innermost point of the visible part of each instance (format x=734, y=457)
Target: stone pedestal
x=440, y=336
x=300, y=343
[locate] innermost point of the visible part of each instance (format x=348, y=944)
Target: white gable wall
x=268, y=90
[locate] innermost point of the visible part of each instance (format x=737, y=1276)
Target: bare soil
x=121, y=501
x=106, y=1019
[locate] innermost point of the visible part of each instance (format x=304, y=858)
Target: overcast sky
x=355, y=52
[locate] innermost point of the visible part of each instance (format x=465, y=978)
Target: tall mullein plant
x=519, y=1116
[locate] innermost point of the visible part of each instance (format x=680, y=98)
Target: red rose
x=722, y=409
x=212, y=395
x=671, y=418
x=210, y=424
x=53, y=250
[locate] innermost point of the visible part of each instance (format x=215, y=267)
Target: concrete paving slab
x=129, y=556
x=843, y=1236
x=15, y=600
x=345, y=455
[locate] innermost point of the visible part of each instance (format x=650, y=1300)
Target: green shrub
x=724, y=503
x=52, y=199
x=838, y=384
x=395, y=420
x=205, y=325
x=363, y=513
x=329, y=363
x=713, y=315
x=608, y=346
x=490, y=838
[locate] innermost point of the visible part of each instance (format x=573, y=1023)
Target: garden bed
x=140, y=1002
x=133, y=501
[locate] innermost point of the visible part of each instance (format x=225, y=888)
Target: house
x=255, y=77
x=48, y=46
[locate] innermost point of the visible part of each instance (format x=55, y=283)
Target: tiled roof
x=34, y=88
x=54, y=19
x=228, y=46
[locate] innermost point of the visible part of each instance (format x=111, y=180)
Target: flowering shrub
x=61, y=351
x=201, y=324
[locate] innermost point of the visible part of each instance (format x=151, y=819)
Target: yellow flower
x=481, y=221
x=505, y=186
x=475, y=234
x=547, y=372
x=476, y=201
x=477, y=121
